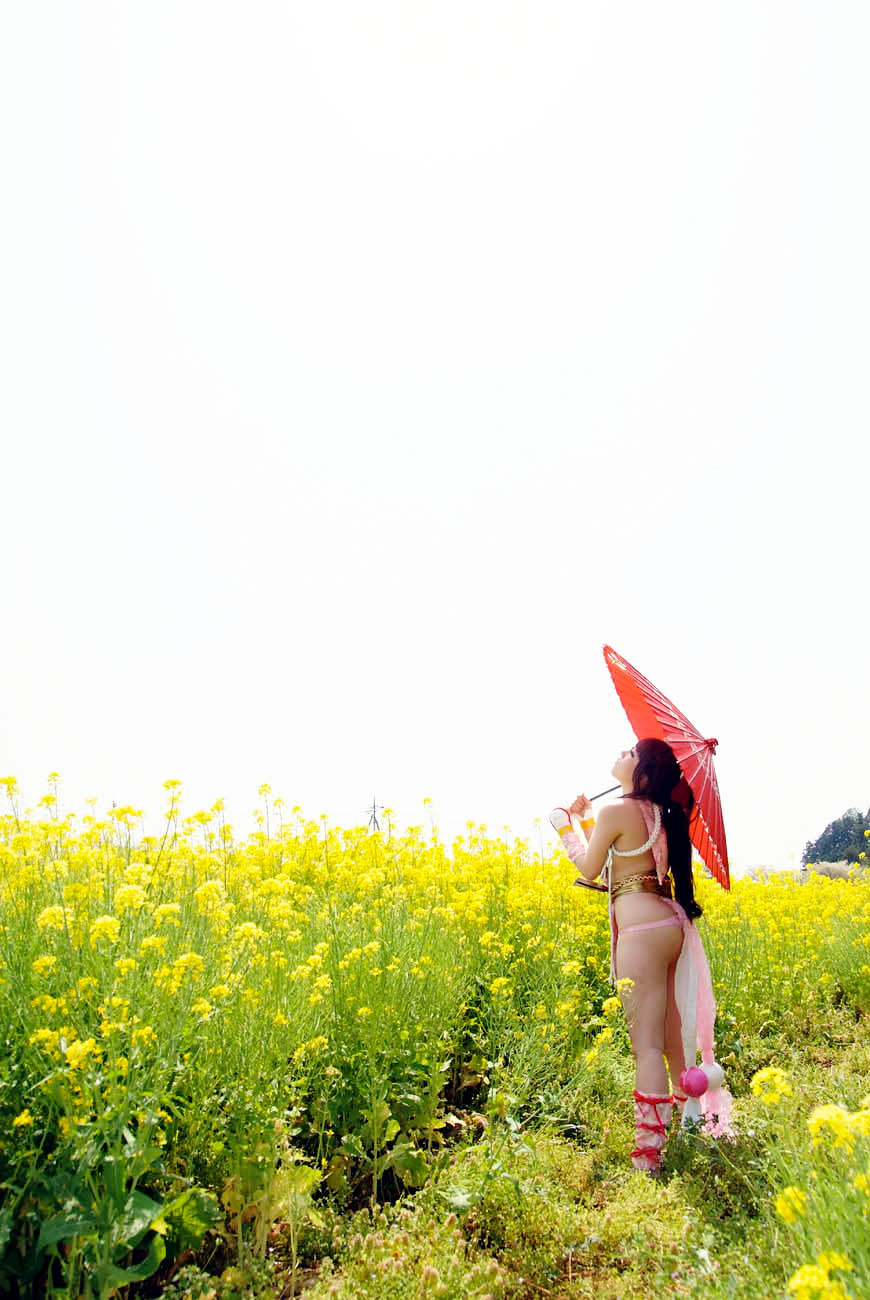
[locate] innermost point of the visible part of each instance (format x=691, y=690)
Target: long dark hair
x=658, y=778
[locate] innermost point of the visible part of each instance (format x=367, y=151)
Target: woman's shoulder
x=632, y=816
x=623, y=813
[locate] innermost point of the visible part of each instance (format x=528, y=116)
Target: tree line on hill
x=841, y=839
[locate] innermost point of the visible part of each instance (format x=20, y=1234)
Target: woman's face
x=623, y=768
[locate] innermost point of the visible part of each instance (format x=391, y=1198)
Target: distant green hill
x=843, y=838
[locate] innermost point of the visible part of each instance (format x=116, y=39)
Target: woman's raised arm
x=589, y=860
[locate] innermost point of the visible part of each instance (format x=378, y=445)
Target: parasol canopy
x=652, y=714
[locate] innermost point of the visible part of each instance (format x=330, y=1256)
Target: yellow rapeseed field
x=171, y=1003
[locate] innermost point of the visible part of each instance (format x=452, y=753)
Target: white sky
x=366, y=366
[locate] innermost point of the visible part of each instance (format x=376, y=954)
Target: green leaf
x=112, y=1275
x=410, y=1164
x=336, y=1173
x=7, y=1218
x=353, y=1146
x=66, y=1225
x=139, y=1213
x=301, y=1180
x=393, y=1127
x=115, y=1180
x=190, y=1216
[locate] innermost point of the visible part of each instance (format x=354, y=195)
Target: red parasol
x=652, y=714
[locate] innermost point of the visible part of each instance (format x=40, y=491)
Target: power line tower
x=373, y=814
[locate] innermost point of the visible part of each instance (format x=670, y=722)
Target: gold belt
x=648, y=884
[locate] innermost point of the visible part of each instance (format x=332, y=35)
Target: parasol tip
x=711, y=744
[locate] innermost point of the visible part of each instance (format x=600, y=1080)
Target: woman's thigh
x=644, y=958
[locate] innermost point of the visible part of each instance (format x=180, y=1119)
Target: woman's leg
x=646, y=958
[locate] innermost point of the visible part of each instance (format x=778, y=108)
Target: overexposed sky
x=366, y=366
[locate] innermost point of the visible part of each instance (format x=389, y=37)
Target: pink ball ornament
x=694, y=1081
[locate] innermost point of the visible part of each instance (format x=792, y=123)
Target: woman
x=636, y=841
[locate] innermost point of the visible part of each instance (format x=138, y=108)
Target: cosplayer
x=642, y=845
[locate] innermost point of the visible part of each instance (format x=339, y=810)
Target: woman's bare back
x=635, y=908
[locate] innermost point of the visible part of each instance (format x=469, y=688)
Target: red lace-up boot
x=652, y=1115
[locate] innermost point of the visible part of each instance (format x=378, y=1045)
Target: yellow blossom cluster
x=771, y=1085
x=814, y=1281
x=841, y=1126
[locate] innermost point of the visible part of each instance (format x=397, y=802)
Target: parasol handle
x=602, y=793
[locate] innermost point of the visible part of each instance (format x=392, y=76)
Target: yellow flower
x=859, y=1122
x=50, y=918
x=833, y=1259
x=362, y=1012
x=167, y=913
x=246, y=933
x=152, y=943
x=813, y=1281
x=201, y=1007
x=48, y=1039
x=47, y=1004
x=105, y=927
x=771, y=1084
x=43, y=965
x=77, y=1053
x=129, y=898
x=834, y=1120
x=611, y=1006
x=790, y=1203
x=24, y=1120
x=807, y=1281
x=189, y=963
x=209, y=895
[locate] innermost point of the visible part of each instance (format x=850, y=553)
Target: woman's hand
x=581, y=807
